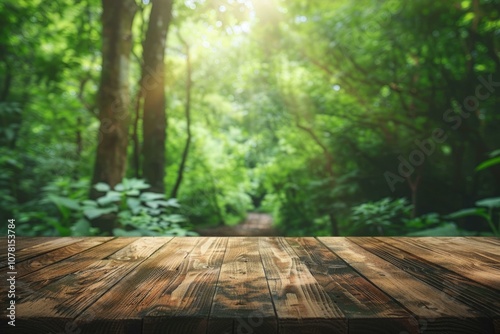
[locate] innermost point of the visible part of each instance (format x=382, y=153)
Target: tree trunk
x=113, y=96
x=187, y=110
x=153, y=88
x=136, y=145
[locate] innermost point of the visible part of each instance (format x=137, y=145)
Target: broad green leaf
x=488, y=163
x=119, y=187
x=93, y=213
x=154, y=212
x=466, y=213
x=173, y=202
x=134, y=204
x=493, y=202
x=101, y=186
x=81, y=228
x=152, y=204
x=149, y=196
x=448, y=229
x=110, y=197
x=170, y=203
x=136, y=184
x=64, y=202
x=494, y=153
x=133, y=192
x=89, y=203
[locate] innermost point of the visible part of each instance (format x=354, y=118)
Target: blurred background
x=250, y=117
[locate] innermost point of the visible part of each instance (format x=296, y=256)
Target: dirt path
x=256, y=224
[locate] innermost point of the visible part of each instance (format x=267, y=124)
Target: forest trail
x=256, y=224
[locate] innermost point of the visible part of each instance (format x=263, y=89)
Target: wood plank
x=46, y=259
x=493, y=240
x=469, y=267
x=435, y=311
x=367, y=308
x=184, y=305
x=302, y=305
x=78, y=262
x=121, y=308
x=251, y=285
x=38, y=249
x=25, y=242
x=242, y=302
x=461, y=244
x=481, y=298
x=464, y=248
x=55, y=306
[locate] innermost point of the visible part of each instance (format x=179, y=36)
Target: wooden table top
x=254, y=285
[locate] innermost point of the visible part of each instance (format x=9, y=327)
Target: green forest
x=333, y=117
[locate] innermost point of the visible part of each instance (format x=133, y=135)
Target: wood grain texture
x=435, y=311
x=37, y=249
x=480, y=297
x=46, y=259
x=301, y=303
x=42, y=277
x=242, y=301
x=493, y=240
x=25, y=242
x=472, y=267
x=184, y=305
x=121, y=308
x=256, y=285
x=59, y=302
x=29, y=284
x=367, y=308
x=472, y=246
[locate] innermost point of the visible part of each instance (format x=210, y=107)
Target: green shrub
x=138, y=212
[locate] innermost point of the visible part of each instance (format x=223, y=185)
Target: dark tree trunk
x=187, y=110
x=136, y=149
x=414, y=184
x=153, y=89
x=113, y=96
x=136, y=141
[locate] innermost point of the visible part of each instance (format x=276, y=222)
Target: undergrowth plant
x=63, y=209
x=138, y=212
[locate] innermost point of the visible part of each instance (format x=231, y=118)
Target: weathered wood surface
x=255, y=285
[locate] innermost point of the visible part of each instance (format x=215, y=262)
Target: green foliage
x=393, y=217
x=138, y=212
x=62, y=209
x=487, y=208
x=494, y=160
x=55, y=211
x=384, y=217
x=298, y=109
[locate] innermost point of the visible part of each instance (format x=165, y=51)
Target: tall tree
x=113, y=96
x=187, y=112
x=153, y=90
